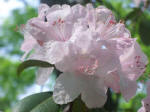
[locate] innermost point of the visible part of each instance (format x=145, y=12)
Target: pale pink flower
x=93, y=51
x=85, y=71
x=146, y=101
x=57, y=22
x=53, y=28
x=102, y=21
x=49, y=33
x=133, y=61
x=99, y=17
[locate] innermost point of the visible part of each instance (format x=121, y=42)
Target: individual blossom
x=85, y=70
x=133, y=61
x=48, y=34
x=146, y=101
x=102, y=21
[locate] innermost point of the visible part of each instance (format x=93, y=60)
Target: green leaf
x=144, y=30
x=79, y=106
x=133, y=14
x=111, y=7
x=32, y=63
x=46, y=106
x=28, y=103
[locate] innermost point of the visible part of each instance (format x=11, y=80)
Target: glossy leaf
x=32, y=63
x=30, y=102
x=79, y=106
x=46, y=106
x=144, y=31
x=133, y=14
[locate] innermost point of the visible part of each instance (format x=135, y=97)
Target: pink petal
x=56, y=51
x=112, y=80
x=42, y=11
x=43, y=74
x=127, y=87
x=94, y=93
x=134, y=61
x=28, y=44
x=66, y=89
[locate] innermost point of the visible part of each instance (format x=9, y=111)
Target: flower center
x=59, y=29
x=89, y=69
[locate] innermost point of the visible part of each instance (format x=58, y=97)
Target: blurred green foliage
x=136, y=19
x=11, y=86
x=10, y=37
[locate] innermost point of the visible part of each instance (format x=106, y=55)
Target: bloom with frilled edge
x=132, y=60
x=48, y=34
x=85, y=70
x=133, y=64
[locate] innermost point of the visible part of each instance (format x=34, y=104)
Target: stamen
x=112, y=22
x=59, y=28
x=59, y=20
x=108, y=20
x=40, y=42
x=89, y=69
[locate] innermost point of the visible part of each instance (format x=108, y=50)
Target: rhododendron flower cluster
x=93, y=51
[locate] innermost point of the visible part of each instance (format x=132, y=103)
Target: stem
x=71, y=105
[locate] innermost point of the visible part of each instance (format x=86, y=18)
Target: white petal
x=142, y=109
x=77, y=12
x=62, y=13
x=108, y=60
x=56, y=52
x=94, y=94
x=43, y=74
x=66, y=88
x=29, y=42
x=127, y=87
x=134, y=61
x=42, y=10
x=112, y=80
x=38, y=54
